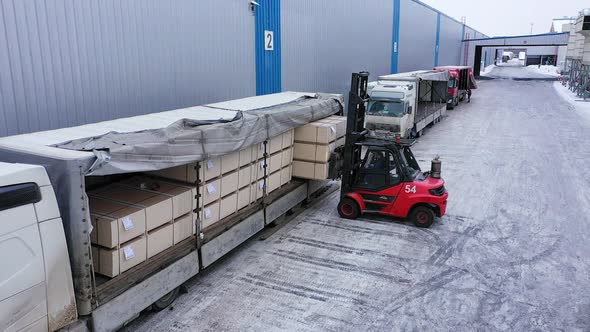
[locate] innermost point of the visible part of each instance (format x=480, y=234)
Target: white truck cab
x=390, y=108
x=36, y=289
x=405, y=103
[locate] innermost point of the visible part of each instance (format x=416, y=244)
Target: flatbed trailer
x=133, y=292
x=427, y=113
x=103, y=304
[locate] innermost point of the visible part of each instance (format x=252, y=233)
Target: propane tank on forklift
x=435, y=167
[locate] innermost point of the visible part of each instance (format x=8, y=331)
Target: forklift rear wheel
x=348, y=208
x=422, y=216
x=166, y=300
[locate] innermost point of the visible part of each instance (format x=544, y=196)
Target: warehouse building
x=66, y=63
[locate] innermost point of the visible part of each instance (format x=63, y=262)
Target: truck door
x=410, y=118
x=23, y=302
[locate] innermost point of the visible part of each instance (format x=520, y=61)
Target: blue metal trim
x=395, y=36
x=437, y=45
x=268, y=63
x=521, y=36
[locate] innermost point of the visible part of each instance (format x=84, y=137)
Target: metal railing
x=577, y=76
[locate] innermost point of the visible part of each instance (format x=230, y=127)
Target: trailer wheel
x=348, y=208
x=422, y=216
x=166, y=300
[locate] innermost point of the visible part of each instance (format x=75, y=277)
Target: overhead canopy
x=424, y=75
x=167, y=139
x=451, y=67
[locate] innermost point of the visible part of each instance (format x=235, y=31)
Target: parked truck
x=461, y=82
x=48, y=279
x=57, y=270
x=404, y=104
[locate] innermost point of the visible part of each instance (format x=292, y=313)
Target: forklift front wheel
x=422, y=216
x=348, y=208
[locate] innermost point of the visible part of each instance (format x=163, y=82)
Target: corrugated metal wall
x=65, y=63
x=542, y=50
x=450, y=42
x=417, y=36
x=323, y=43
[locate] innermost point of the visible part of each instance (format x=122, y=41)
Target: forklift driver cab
x=373, y=171
x=393, y=173
x=379, y=170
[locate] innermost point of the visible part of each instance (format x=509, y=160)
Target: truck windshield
x=451, y=82
x=386, y=108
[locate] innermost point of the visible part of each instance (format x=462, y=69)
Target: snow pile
x=487, y=70
x=581, y=106
x=544, y=69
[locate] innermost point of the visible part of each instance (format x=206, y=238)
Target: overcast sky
x=509, y=17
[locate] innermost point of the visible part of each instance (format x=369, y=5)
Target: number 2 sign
x=269, y=41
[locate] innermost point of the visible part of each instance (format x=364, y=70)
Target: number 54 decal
x=410, y=189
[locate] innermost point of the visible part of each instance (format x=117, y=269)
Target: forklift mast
x=355, y=130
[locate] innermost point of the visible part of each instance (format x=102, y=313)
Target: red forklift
x=381, y=175
x=461, y=82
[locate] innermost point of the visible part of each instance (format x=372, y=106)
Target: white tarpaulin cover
x=425, y=75
x=253, y=121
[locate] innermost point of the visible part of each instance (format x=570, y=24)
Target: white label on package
x=128, y=223
x=211, y=188
x=261, y=184
x=210, y=164
x=128, y=253
x=208, y=213
x=333, y=130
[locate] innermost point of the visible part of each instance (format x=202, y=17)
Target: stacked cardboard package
x=136, y=219
x=314, y=142
x=232, y=182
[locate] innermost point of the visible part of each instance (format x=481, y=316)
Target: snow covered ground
x=582, y=107
x=544, y=70
x=511, y=254
x=514, y=71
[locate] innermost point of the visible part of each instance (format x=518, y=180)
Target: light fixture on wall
x=253, y=5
